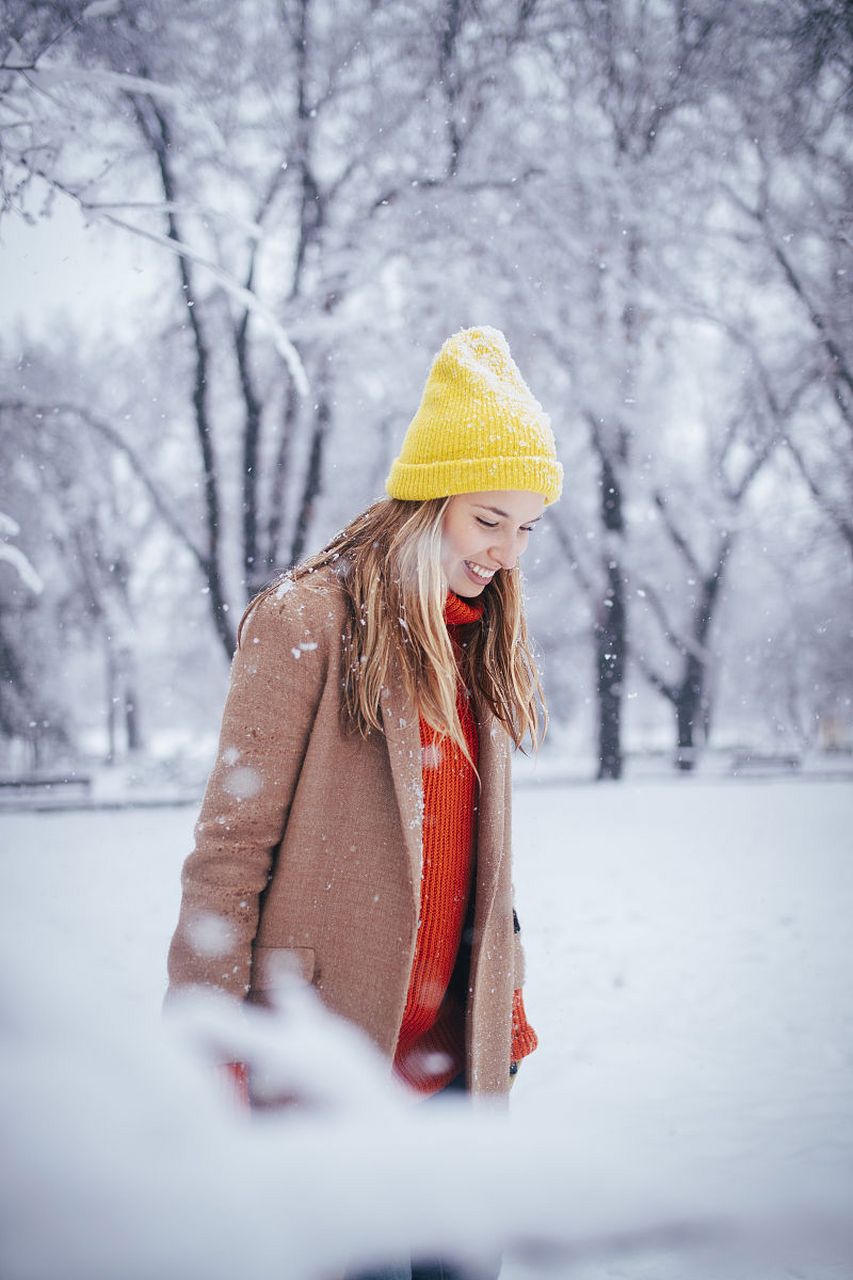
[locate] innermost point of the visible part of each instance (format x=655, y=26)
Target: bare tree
x=83, y=542
x=689, y=637
x=633, y=69
x=793, y=215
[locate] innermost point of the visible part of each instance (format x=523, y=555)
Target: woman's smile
x=478, y=572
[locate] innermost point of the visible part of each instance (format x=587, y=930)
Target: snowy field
x=689, y=972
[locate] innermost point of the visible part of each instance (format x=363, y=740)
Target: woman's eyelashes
x=493, y=524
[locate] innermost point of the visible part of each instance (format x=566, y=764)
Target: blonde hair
x=388, y=560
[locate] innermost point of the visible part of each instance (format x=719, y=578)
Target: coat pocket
x=271, y=965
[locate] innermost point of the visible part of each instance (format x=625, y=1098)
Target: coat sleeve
x=517, y=948
x=524, y=1038
x=278, y=673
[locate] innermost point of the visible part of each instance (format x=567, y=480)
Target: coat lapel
x=493, y=834
x=403, y=737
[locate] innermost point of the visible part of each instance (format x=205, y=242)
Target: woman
x=357, y=820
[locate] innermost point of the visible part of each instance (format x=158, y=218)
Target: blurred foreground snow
x=688, y=1114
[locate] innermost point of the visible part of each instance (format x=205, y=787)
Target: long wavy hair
x=388, y=560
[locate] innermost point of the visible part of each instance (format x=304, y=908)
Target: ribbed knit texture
x=524, y=1038
x=431, y=1045
x=478, y=427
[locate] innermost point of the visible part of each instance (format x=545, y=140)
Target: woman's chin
x=461, y=585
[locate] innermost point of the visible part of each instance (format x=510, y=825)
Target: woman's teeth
x=477, y=569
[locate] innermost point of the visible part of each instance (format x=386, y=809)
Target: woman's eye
x=488, y=524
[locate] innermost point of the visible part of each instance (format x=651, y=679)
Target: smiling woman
x=376, y=692
x=481, y=537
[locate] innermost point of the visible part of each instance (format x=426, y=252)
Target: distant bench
x=746, y=761
x=36, y=785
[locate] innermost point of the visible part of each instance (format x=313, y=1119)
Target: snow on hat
x=478, y=427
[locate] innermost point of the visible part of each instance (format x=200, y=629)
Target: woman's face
x=483, y=533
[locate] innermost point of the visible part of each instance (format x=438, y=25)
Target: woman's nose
x=505, y=553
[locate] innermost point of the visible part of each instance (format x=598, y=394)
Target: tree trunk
x=279, y=479
x=610, y=628
x=687, y=710
x=690, y=698
x=155, y=128
x=313, y=477
x=130, y=703
x=112, y=699
x=311, y=198
x=251, y=454
x=610, y=661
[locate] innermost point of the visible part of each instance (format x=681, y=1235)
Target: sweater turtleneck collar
x=458, y=612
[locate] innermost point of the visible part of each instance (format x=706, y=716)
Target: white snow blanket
x=688, y=1114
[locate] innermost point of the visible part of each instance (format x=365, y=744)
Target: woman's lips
x=479, y=578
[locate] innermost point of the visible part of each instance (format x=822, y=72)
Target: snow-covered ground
x=689, y=965
x=689, y=976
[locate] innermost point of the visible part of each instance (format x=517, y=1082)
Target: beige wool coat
x=308, y=842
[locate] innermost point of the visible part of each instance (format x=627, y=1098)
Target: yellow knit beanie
x=478, y=427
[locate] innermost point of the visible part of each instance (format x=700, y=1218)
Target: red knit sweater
x=431, y=1045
